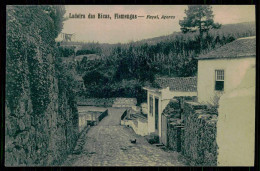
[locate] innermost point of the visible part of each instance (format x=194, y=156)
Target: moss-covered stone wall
x=40, y=111
x=192, y=131
x=199, y=135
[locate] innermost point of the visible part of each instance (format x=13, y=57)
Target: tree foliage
x=129, y=67
x=198, y=17
x=65, y=52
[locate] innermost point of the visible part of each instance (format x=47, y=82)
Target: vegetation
x=125, y=68
x=31, y=33
x=85, y=52
x=91, y=48
x=199, y=17
x=40, y=104
x=65, y=52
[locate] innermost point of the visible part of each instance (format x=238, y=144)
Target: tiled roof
x=182, y=84
x=243, y=47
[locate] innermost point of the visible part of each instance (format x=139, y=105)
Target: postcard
x=130, y=85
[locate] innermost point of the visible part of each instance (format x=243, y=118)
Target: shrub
x=212, y=105
x=152, y=138
x=65, y=52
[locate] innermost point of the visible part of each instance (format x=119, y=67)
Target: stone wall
x=91, y=117
x=173, y=109
x=124, y=102
x=199, y=135
x=192, y=131
x=40, y=111
x=174, y=135
x=107, y=102
x=172, y=113
x=99, y=102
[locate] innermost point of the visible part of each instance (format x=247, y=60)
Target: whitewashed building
x=222, y=69
x=229, y=72
x=159, y=96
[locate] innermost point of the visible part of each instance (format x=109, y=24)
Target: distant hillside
x=238, y=30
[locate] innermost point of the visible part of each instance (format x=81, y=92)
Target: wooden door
x=164, y=130
x=156, y=113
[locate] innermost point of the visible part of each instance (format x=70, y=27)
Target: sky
x=124, y=30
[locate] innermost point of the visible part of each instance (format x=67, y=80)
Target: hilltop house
x=159, y=96
x=222, y=69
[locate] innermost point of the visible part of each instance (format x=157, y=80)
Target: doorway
x=156, y=112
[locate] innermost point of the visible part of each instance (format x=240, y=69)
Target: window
x=219, y=77
x=151, y=105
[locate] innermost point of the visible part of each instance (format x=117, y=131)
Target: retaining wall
x=94, y=118
x=41, y=117
x=192, y=131
x=124, y=102
x=107, y=102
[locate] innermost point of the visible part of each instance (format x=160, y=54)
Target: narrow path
x=108, y=144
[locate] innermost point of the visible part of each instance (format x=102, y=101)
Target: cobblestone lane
x=108, y=144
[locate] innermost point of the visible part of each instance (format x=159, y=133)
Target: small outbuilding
x=159, y=95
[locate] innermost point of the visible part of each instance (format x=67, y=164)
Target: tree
x=56, y=12
x=199, y=17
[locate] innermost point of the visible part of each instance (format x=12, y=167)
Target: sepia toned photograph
x=130, y=85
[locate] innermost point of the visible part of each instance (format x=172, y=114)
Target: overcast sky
x=123, y=31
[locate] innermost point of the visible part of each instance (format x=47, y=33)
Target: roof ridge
x=177, y=77
x=250, y=37
x=242, y=47
x=184, y=84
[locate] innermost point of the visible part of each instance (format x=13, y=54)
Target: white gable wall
x=234, y=71
x=151, y=117
x=236, y=124
x=164, y=96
